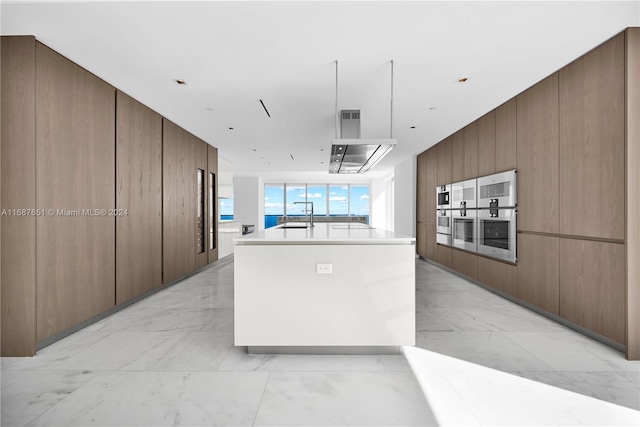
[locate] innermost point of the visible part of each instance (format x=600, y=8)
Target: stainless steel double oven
x=480, y=215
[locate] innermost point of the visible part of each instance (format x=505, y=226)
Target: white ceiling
x=233, y=54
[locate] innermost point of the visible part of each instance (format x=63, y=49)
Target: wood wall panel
x=537, y=150
x=75, y=150
x=139, y=191
x=592, y=143
x=465, y=263
x=421, y=239
x=444, y=161
x=487, y=144
x=506, y=123
x=457, y=157
x=538, y=271
x=471, y=151
x=432, y=182
x=432, y=251
x=212, y=156
x=444, y=255
x=498, y=275
x=178, y=202
x=632, y=242
x=200, y=161
x=18, y=245
x=592, y=290
x=422, y=191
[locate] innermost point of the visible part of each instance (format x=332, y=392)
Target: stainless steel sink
x=294, y=225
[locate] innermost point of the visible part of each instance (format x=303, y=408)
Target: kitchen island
x=330, y=288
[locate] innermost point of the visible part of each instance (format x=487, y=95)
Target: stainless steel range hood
x=350, y=153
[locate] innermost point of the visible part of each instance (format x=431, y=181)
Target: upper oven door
x=497, y=190
x=497, y=233
x=443, y=196
x=463, y=194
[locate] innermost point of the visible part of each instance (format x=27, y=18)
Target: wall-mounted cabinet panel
x=592, y=287
x=592, y=143
x=538, y=271
x=421, y=239
x=506, y=136
x=444, y=162
x=537, y=148
x=422, y=190
x=632, y=237
x=457, y=156
x=498, y=275
x=178, y=203
x=432, y=182
x=471, y=151
x=138, y=199
x=212, y=202
x=465, y=263
x=18, y=235
x=432, y=245
x=444, y=255
x=75, y=151
x=487, y=144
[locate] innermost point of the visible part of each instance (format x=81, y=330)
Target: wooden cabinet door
x=498, y=275
x=457, y=156
x=431, y=242
x=592, y=143
x=75, y=152
x=431, y=183
x=471, y=151
x=444, y=255
x=465, y=263
x=592, y=286
x=18, y=236
x=538, y=271
x=444, y=162
x=422, y=192
x=506, y=136
x=139, y=192
x=212, y=203
x=421, y=239
x=537, y=150
x=199, y=165
x=178, y=203
x=487, y=144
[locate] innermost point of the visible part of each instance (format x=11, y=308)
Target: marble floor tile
x=343, y=399
x=27, y=395
x=490, y=349
x=153, y=351
x=161, y=399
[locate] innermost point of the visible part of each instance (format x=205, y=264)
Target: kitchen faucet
x=306, y=210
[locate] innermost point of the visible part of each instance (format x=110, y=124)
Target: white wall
x=405, y=197
x=247, y=195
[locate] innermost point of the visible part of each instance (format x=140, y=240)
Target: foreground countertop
x=325, y=233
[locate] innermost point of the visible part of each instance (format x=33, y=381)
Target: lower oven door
x=463, y=230
x=443, y=239
x=443, y=221
x=497, y=233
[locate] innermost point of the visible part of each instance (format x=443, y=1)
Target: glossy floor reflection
x=169, y=360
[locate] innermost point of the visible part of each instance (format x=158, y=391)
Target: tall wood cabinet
x=18, y=237
x=592, y=143
x=487, y=144
x=138, y=199
x=75, y=171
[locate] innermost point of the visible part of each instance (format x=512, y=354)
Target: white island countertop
x=325, y=233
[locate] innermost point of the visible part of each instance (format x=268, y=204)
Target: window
x=273, y=204
x=328, y=200
x=226, y=209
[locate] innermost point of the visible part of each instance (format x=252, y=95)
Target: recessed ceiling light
x=322, y=163
x=463, y=79
x=209, y=109
x=181, y=81
x=230, y=128
x=413, y=127
x=432, y=108
x=254, y=149
x=322, y=149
